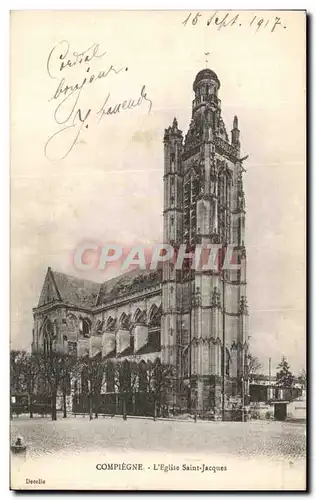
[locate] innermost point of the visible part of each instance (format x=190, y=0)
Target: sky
x=109, y=187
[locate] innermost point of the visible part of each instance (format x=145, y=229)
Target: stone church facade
x=195, y=320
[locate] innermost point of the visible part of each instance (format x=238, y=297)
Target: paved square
x=173, y=455
x=249, y=439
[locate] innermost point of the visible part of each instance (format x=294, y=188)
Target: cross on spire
x=206, y=60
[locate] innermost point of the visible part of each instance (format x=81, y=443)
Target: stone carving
x=196, y=299
x=242, y=252
x=216, y=298
x=243, y=306
x=72, y=322
x=238, y=346
x=226, y=149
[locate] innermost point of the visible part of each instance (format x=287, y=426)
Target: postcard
x=158, y=179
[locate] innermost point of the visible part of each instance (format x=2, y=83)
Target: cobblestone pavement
x=258, y=438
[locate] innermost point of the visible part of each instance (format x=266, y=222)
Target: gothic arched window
x=185, y=363
x=227, y=365
x=139, y=316
x=154, y=327
x=99, y=327
x=48, y=332
x=84, y=328
x=124, y=321
x=111, y=324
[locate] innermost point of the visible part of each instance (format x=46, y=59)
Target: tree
x=31, y=368
x=126, y=380
x=68, y=370
x=51, y=368
x=161, y=381
x=92, y=370
x=16, y=371
x=24, y=368
x=253, y=365
x=302, y=378
x=284, y=375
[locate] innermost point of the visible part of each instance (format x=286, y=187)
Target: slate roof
x=76, y=291
x=85, y=293
x=132, y=281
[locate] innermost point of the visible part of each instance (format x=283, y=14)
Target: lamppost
x=223, y=348
x=90, y=398
x=186, y=348
x=245, y=381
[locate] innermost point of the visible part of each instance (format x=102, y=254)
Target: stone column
x=95, y=345
x=123, y=340
x=83, y=346
x=140, y=336
x=108, y=343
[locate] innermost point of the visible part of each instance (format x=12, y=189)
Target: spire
x=173, y=131
x=235, y=133
x=206, y=60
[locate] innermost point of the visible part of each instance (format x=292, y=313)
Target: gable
x=76, y=291
x=49, y=293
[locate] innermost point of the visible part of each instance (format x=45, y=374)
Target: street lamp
x=90, y=398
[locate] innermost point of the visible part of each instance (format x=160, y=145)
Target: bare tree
x=69, y=367
x=92, y=370
x=126, y=380
x=51, y=371
x=253, y=365
x=161, y=381
x=24, y=371
x=123, y=377
x=17, y=371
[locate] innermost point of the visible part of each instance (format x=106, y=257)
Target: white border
x=5, y=7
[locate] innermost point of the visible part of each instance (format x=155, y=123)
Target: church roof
x=61, y=287
x=132, y=281
x=76, y=291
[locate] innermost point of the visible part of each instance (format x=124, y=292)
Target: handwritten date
x=226, y=20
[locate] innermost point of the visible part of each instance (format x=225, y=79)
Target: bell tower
x=173, y=235
x=205, y=311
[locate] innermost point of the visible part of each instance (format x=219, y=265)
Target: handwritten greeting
x=69, y=114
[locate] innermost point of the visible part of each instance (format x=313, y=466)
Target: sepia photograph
x=158, y=243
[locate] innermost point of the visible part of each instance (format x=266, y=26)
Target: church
x=194, y=320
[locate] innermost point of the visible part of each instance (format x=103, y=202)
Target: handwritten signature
x=68, y=113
